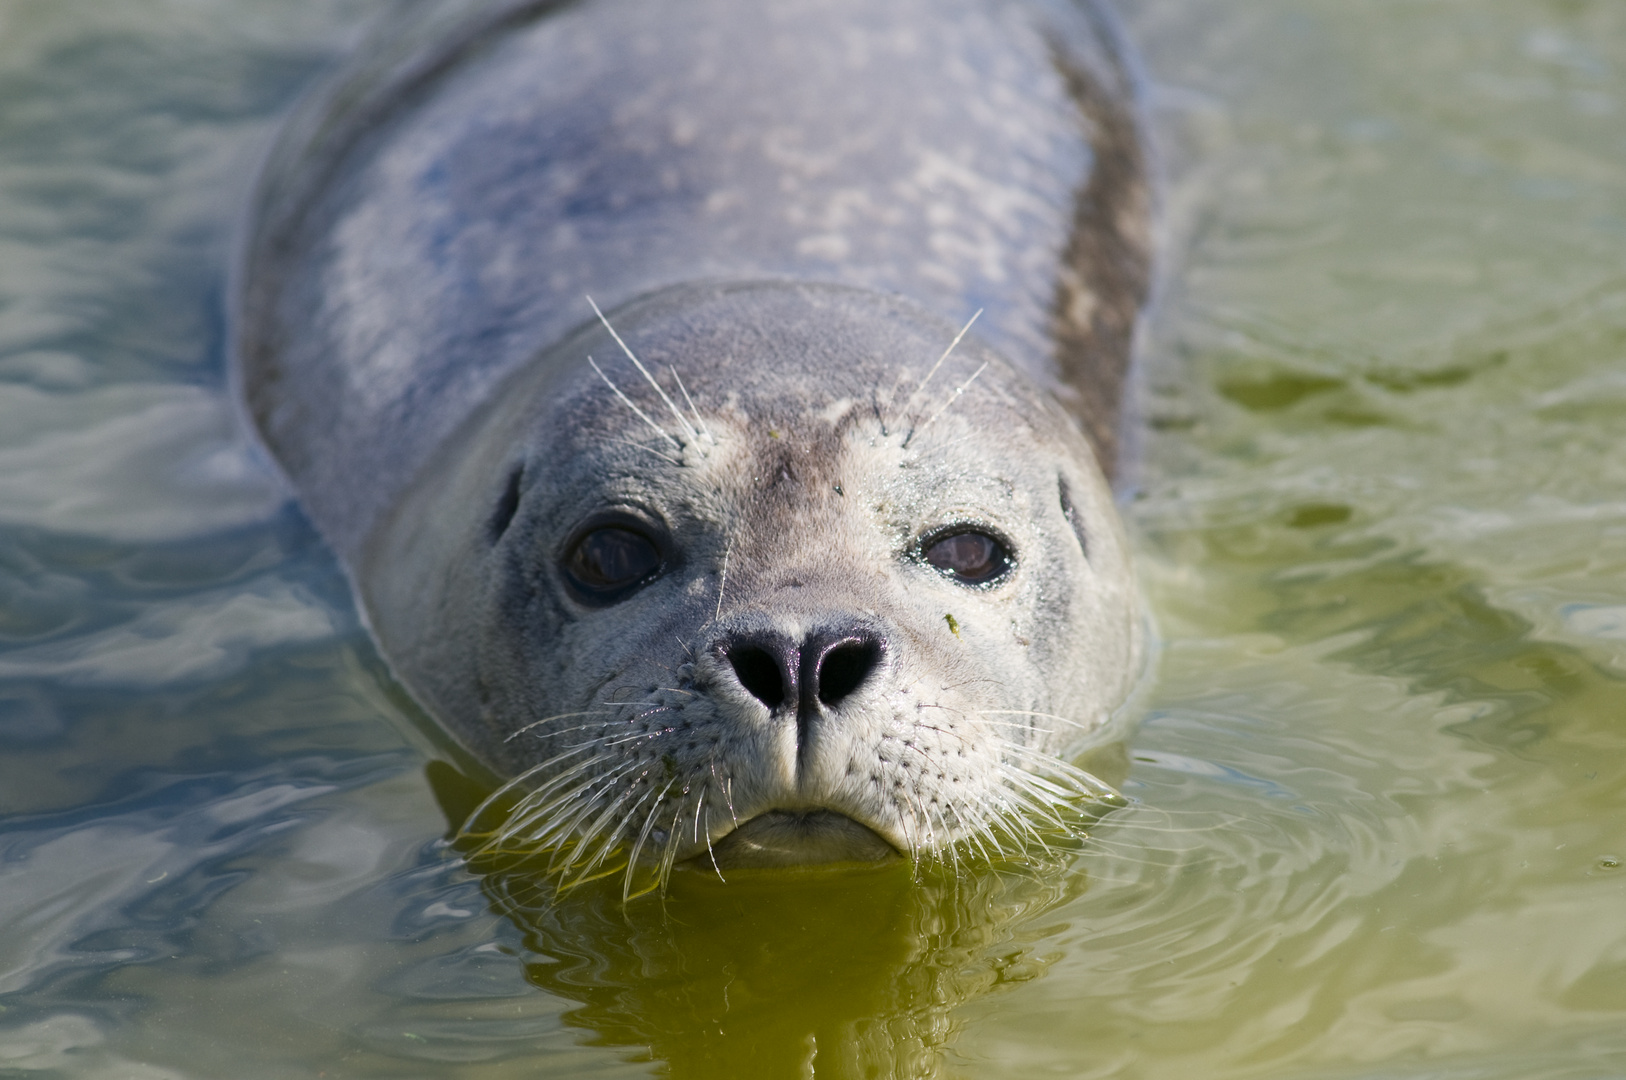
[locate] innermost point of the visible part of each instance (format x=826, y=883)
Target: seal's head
x=764, y=579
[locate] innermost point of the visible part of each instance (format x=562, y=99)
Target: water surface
x=1379, y=818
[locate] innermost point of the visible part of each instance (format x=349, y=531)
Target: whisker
x=638, y=845
x=952, y=399
x=1036, y=807
x=712, y=852
x=670, y=855
x=722, y=579
x=911, y=399
x=728, y=796
x=558, y=790
x=697, y=417
x=564, y=829
x=507, y=788
x=974, y=838
x=611, y=841
x=1014, y=726
x=551, y=719
x=635, y=737
x=650, y=449
x=535, y=816
x=952, y=849
x=662, y=432
x=693, y=434
x=700, y=802
x=1029, y=712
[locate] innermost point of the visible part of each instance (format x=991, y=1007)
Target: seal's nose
x=767, y=667
x=836, y=664
x=827, y=667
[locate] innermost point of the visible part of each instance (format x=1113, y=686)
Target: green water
x=1379, y=819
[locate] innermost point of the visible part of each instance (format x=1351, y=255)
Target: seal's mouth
x=799, y=838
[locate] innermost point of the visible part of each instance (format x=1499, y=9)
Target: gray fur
x=787, y=210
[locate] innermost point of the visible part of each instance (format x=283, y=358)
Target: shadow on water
x=843, y=971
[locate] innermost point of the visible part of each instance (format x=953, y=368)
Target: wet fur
x=417, y=347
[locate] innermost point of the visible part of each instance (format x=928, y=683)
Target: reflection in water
x=844, y=970
x=1378, y=818
x=854, y=971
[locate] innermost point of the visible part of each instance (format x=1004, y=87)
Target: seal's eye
x=971, y=558
x=609, y=560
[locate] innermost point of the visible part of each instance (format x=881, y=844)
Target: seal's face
x=819, y=600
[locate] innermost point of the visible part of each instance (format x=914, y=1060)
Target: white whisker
x=705, y=430
x=952, y=399
x=669, y=856
x=722, y=579
x=651, y=450
x=712, y=852
x=1029, y=712
x=613, y=839
x=638, y=845
x=551, y=719
x=639, y=364
x=662, y=432
x=911, y=399
x=699, y=802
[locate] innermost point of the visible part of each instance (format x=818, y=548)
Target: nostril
x=758, y=672
x=844, y=668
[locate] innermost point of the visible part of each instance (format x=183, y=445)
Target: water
x=1380, y=818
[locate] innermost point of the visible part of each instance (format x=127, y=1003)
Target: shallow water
x=1379, y=819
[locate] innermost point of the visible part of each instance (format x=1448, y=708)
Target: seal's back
x=442, y=214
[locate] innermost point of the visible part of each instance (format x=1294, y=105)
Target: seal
x=624, y=351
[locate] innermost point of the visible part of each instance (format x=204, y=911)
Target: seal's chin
x=799, y=838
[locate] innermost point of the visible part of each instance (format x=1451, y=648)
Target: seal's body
x=764, y=563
